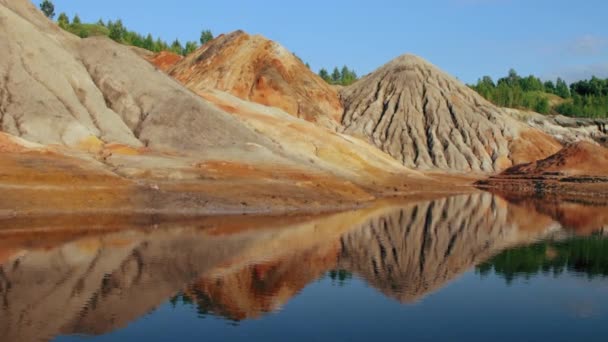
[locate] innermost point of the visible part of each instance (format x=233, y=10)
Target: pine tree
x=149, y=42
x=190, y=47
x=325, y=75
x=63, y=21
x=561, y=89
x=336, y=76
x=206, y=36
x=117, y=30
x=176, y=47
x=48, y=9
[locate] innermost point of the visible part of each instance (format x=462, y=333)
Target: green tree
x=48, y=9
x=561, y=89
x=324, y=74
x=63, y=21
x=206, y=36
x=531, y=83
x=76, y=20
x=117, y=30
x=485, y=87
x=160, y=45
x=336, y=76
x=542, y=106
x=176, y=47
x=190, y=47
x=101, y=23
x=347, y=76
x=149, y=42
x=549, y=87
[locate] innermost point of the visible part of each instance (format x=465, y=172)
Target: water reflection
x=584, y=256
x=93, y=276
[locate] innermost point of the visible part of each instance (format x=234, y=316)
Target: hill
x=427, y=119
x=93, y=104
x=254, y=68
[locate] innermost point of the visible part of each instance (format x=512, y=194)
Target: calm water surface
x=472, y=267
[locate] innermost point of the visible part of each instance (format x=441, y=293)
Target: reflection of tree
x=588, y=256
x=340, y=277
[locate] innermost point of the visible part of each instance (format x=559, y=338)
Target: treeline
x=342, y=77
x=587, y=98
x=116, y=31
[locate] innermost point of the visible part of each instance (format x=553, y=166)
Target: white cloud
x=580, y=72
x=587, y=45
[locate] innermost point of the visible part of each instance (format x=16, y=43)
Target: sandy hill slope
x=254, y=68
x=428, y=119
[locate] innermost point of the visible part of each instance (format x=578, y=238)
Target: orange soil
x=533, y=145
x=257, y=69
x=582, y=158
x=165, y=60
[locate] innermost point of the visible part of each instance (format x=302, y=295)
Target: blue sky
x=467, y=38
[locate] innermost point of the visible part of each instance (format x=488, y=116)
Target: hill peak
x=257, y=69
x=426, y=118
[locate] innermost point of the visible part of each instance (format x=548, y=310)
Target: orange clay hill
x=579, y=159
x=254, y=68
x=580, y=168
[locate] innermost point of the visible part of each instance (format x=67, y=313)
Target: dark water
x=472, y=267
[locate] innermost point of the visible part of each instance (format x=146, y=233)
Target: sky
x=466, y=38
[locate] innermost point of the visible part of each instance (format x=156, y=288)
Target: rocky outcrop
x=427, y=119
x=567, y=130
x=254, y=68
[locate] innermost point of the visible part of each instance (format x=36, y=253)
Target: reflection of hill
x=582, y=215
x=411, y=251
x=85, y=281
x=62, y=279
x=404, y=251
x=262, y=288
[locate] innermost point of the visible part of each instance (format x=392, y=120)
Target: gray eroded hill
x=59, y=89
x=427, y=119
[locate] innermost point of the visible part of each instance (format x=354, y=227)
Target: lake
x=469, y=267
